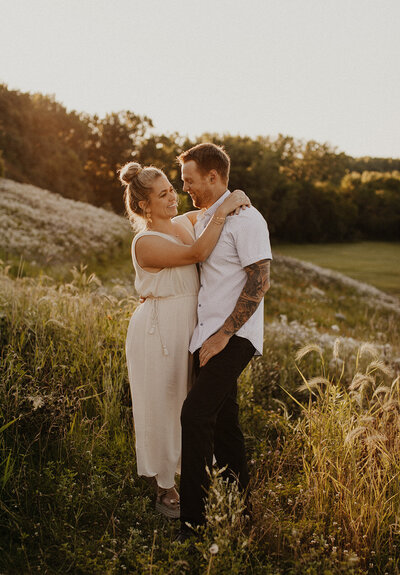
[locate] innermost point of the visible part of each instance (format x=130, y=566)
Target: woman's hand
x=236, y=201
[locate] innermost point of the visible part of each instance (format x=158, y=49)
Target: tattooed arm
x=256, y=286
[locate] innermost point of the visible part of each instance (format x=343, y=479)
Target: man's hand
x=212, y=346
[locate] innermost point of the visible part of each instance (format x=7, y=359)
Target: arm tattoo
x=256, y=286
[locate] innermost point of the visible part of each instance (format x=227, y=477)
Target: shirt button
x=201, y=324
x=199, y=304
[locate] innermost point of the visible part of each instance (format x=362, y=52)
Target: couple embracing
x=197, y=328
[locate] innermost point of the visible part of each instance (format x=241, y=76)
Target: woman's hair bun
x=130, y=171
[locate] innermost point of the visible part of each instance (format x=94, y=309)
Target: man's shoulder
x=246, y=218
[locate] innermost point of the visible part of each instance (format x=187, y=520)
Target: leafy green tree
x=112, y=141
x=43, y=144
x=377, y=197
x=310, y=161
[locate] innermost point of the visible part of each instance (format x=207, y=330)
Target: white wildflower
x=38, y=224
x=37, y=401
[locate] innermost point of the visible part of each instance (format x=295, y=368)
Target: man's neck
x=215, y=197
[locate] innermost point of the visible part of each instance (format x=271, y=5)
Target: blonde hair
x=138, y=182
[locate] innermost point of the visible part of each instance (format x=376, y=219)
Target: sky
x=324, y=70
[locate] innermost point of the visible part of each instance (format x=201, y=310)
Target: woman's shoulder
x=147, y=237
x=184, y=222
x=139, y=235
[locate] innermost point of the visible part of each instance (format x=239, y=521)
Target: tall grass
x=64, y=401
x=341, y=454
x=323, y=459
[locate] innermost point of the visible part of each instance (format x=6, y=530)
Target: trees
x=308, y=191
x=377, y=198
x=111, y=142
x=293, y=184
x=42, y=143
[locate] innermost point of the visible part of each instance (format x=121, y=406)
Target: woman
x=164, y=258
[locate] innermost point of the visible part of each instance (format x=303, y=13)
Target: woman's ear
x=142, y=205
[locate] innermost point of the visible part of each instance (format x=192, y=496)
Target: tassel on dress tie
x=155, y=324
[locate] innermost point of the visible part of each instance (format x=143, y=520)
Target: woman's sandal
x=167, y=502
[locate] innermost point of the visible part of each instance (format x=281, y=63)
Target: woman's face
x=163, y=200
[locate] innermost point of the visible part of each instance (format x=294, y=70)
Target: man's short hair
x=208, y=157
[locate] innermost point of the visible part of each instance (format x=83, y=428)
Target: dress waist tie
x=155, y=325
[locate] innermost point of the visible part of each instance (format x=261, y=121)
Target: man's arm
x=257, y=284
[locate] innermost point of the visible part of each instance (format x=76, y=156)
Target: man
x=229, y=332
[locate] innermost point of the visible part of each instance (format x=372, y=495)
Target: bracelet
x=217, y=220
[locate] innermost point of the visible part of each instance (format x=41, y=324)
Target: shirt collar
x=212, y=209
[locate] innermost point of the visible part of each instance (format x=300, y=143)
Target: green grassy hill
x=376, y=263
x=320, y=411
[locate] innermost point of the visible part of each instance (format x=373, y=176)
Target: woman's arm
x=157, y=252
x=192, y=215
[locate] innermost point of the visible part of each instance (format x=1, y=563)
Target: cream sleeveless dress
x=159, y=365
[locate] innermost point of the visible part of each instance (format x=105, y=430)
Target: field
x=376, y=263
x=320, y=412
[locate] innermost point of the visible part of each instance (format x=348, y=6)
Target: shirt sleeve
x=251, y=237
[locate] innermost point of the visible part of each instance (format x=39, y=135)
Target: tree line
x=308, y=191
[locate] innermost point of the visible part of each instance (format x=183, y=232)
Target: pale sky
x=327, y=70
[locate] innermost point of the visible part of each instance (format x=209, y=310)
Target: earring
x=148, y=217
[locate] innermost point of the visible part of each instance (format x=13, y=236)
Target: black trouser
x=210, y=425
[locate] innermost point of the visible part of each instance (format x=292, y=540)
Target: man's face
x=196, y=185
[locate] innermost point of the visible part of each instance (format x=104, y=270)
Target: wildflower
x=37, y=401
x=30, y=231
x=214, y=549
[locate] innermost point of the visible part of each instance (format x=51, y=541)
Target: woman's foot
x=167, y=502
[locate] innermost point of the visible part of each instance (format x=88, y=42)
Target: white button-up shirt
x=244, y=240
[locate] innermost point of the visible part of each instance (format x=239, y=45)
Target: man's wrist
x=227, y=332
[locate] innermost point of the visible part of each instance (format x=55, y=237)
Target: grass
x=71, y=501
x=320, y=412
x=375, y=263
